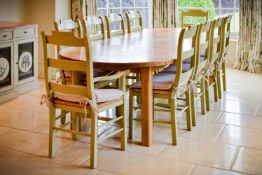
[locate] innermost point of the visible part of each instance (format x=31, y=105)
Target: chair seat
x=161, y=81
x=172, y=68
x=101, y=95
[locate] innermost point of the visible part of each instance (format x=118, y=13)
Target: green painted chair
x=172, y=86
x=93, y=25
x=80, y=99
x=132, y=17
x=115, y=20
x=226, y=23
x=215, y=50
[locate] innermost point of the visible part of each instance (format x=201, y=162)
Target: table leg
x=146, y=113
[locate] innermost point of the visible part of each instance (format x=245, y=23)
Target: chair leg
x=173, y=120
x=207, y=95
x=93, y=148
x=219, y=85
x=52, y=131
x=131, y=100
x=123, y=125
x=224, y=76
x=73, y=124
x=153, y=112
x=63, y=119
x=193, y=108
x=215, y=89
x=203, y=98
x=189, y=109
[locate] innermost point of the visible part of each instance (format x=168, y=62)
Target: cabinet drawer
x=22, y=32
x=4, y=36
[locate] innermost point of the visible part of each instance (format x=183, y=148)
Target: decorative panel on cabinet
x=18, y=59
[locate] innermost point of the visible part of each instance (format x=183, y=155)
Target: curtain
x=82, y=8
x=164, y=13
x=250, y=36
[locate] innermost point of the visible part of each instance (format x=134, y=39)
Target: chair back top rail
x=68, y=39
x=193, y=13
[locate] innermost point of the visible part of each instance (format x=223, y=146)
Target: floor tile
x=241, y=120
x=130, y=163
x=16, y=163
x=241, y=136
x=29, y=142
x=248, y=161
x=201, y=153
x=200, y=170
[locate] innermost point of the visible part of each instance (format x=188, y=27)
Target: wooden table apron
x=141, y=51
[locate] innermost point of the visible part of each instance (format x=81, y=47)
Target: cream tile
x=22, y=119
x=25, y=164
x=29, y=142
x=249, y=161
x=130, y=163
x=75, y=154
x=4, y=130
x=241, y=136
x=259, y=110
x=239, y=107
x=201, y=170
x=241, y=120
x=201, y=153
x=203, y=131
x=211, y=116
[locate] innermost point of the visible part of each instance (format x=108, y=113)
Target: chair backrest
x=68, y=39
x=216, y=41
x=67, y=25
x=204, y=46
x=93, y=25
x=196, y=13
x=115, y=21
x=226, y=33
x=187, y=48
x=132, y=18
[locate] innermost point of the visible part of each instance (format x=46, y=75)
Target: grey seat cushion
x=161, y=81
x=172, y=68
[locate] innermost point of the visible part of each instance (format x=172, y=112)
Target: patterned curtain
x=250, y=36
x=77, y=9
x=164, y=13
x=81, y=8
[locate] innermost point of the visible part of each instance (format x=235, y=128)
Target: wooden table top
x=149, y=48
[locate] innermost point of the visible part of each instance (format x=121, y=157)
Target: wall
x=11, y=10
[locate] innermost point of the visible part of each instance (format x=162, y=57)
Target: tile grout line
x=235, y=157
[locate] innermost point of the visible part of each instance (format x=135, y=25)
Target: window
x=120, y=6
x=215, y=8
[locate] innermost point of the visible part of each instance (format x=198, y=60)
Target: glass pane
x=211, y=9
x=237, y=3
x=145, y=17
x=127, y=3
x=197, y=3
x=186, y=19
x=101, y=3
x=216, y=3
x=183, y=3
x=236, y=17
x=141, y=3
x=101, y=12
x=227, y=3
x=114, y=3
x=226, y=11
x=217, y=13
x=116, y=25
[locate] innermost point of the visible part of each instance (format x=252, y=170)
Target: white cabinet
x=18, y=60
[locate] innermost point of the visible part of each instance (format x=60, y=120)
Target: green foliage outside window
x=199, y=4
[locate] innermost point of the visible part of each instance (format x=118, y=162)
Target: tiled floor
x=227, y=140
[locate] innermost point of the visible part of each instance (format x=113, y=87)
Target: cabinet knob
x=4, y=36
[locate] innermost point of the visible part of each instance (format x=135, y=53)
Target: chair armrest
x=115, y=76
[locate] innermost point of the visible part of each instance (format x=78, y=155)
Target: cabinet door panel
x=6, y=67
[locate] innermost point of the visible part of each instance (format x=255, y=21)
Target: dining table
x=142, y=52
